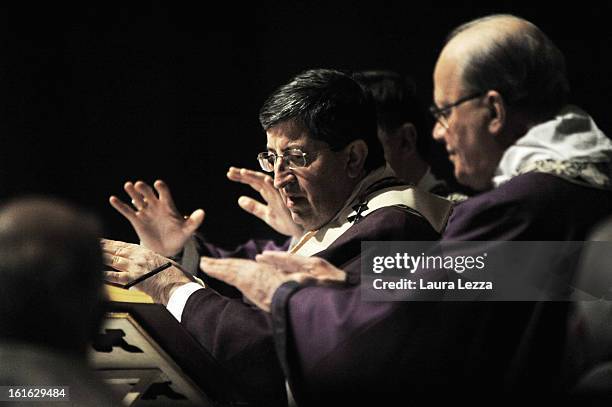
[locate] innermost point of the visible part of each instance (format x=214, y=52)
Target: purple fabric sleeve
x=238, y=336
x=246, y=250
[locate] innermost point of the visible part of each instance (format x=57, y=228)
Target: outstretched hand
x=316, y=267
x=258, y=280
x=155, y=219
x=273, y=212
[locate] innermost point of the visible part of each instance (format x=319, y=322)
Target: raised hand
x=155, y=219
x=273, y=212
x=133, y=261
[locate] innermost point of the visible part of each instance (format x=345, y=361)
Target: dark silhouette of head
x=50, y=274
x=403, y=124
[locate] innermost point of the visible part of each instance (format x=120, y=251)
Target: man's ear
x=407, y=138
x=357, y=153
x=497, y=110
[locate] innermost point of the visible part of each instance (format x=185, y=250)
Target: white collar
x=433, y=208
x=570, y=145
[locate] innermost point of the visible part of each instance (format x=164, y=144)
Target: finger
x=228, y=263
x=146, y=191
x=234, y=174
x=112, y=246
x=116, y=277
x=254, y=175
x=285, y=261
x=116, y=245
x=253, y=178
x=293, y=263
x=241, y=174
x=123, y=208
x=195, y=220
x=164, y=193
x=260, y=182
x=223, y=269
x=253, y=207
x=323, y=270
x=137, y=198
x=267, y=190
x=116, y=262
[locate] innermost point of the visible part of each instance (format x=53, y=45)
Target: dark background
x=92, y=96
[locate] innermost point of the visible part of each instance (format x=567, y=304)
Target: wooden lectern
x=146, y=356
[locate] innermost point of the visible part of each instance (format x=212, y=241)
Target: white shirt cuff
x=178, y=299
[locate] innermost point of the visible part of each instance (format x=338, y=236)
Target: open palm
x=155, y=219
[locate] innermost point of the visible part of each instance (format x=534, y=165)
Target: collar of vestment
x=570, y=146
x=377, y=190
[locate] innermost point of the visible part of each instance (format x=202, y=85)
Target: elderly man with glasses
x=331, y=190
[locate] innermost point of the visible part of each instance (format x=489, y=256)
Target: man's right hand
x=156, y=221
x=275, y=213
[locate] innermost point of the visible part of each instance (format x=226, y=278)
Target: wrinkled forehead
x=290, y=134
x=448, y=73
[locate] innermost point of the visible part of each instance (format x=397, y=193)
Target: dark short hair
x=50, y=274
x=396, y=103
x=525, y=66
x=331, y=106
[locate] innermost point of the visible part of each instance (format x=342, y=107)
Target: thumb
x=195, y=220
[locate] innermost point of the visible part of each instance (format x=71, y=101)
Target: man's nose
x=438, y=132
x=282, y=174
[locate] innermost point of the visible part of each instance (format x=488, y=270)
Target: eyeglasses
x=441, y=114
x=293, y=158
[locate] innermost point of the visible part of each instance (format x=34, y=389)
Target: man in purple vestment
x=331, y=190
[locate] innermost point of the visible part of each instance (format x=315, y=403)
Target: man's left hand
x=132, y=261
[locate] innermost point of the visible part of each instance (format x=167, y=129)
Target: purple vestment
x=339, y=349
x=240, y=336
